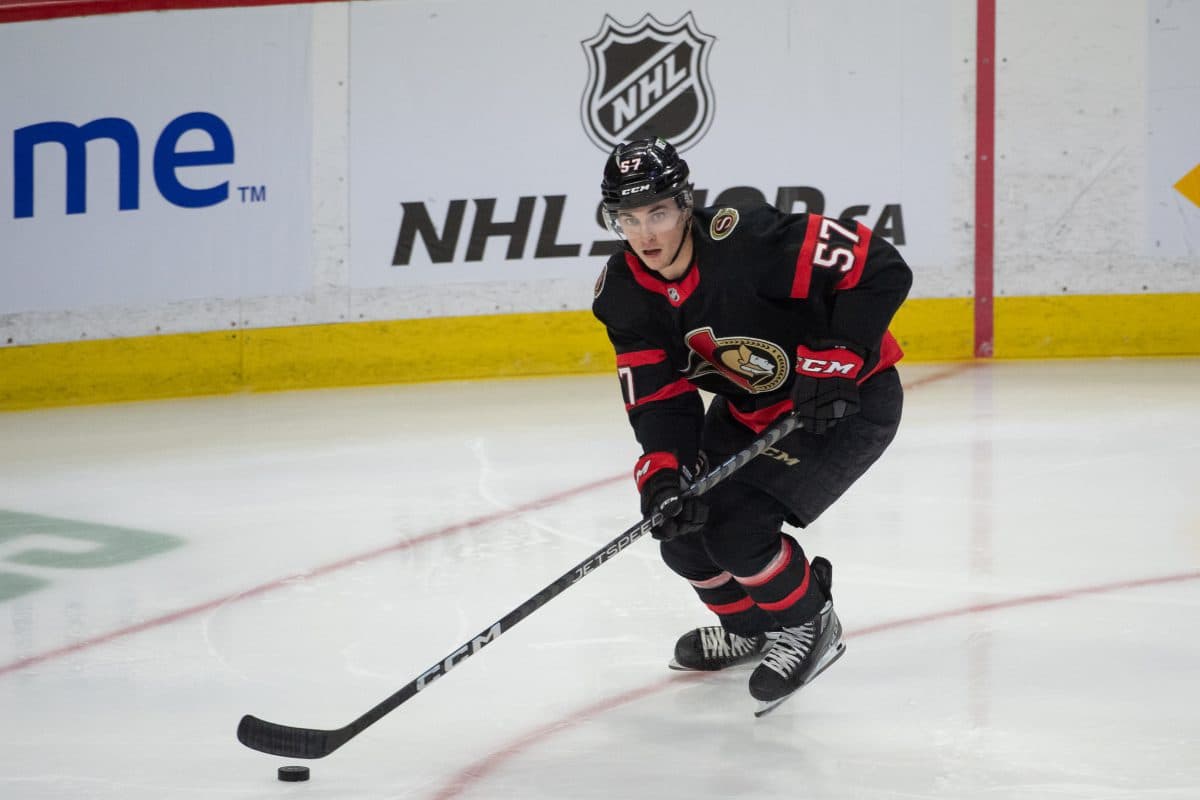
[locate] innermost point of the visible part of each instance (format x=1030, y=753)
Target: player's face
x=654, y=232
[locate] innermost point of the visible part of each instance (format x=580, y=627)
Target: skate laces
x=791, y=648
x=715, y=642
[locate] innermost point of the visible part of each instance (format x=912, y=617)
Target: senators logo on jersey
x=723, y=224
x=756, y=365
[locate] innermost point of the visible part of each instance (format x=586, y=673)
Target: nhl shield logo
x=647, y=79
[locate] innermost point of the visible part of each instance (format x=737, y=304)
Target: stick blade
x=283, y=740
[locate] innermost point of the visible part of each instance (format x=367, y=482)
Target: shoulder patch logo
x=600, y=281
x=723, y=224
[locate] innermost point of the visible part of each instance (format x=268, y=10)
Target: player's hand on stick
x=662, y=490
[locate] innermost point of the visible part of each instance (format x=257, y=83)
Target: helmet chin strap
x=682, y=239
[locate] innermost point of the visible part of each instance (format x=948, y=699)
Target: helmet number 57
x=630, y=164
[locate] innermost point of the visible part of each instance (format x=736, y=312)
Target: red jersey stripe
x=641, y=358
x=676, y=292
x=851, y=278
x=759, y=421
x=681, y=386
x=802, y=280
x=889, y=354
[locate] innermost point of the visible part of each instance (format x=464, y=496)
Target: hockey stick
x=284, y=740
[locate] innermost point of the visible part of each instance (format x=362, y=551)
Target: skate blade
x=675, y=665
x=767, y=706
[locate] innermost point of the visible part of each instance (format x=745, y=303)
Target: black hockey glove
x=661, y=487
x=826, y=388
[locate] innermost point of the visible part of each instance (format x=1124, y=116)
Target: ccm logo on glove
x=838, y=361
x=825, y=389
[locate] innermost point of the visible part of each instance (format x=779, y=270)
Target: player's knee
x=686, y=556
x=741, y=550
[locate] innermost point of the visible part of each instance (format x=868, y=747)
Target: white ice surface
x=974, y=669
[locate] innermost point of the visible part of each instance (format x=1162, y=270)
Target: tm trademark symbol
x=253, y=194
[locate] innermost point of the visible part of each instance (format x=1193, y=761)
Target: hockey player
x=773, y=313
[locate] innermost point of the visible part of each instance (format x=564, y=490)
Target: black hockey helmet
x=641, y=172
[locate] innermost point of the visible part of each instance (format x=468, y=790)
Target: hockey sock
x=785, y=587
x=738, y=613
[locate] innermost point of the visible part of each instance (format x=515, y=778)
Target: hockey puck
x=293, y=773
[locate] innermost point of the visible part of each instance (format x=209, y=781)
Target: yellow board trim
x=508, y=345
x=106, y=370
x=1085, y=326
x=940, y=329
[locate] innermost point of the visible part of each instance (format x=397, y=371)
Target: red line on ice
x=458, y=527
x=476, y=772
x=350, y=561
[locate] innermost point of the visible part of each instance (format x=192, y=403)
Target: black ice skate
x=714, y=648
x=801, y=653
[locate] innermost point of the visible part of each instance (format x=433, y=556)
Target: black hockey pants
x=743, y=567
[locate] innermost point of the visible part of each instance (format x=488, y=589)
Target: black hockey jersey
x=761, y=284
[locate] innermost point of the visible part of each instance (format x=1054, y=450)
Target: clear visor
x=656, y=218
